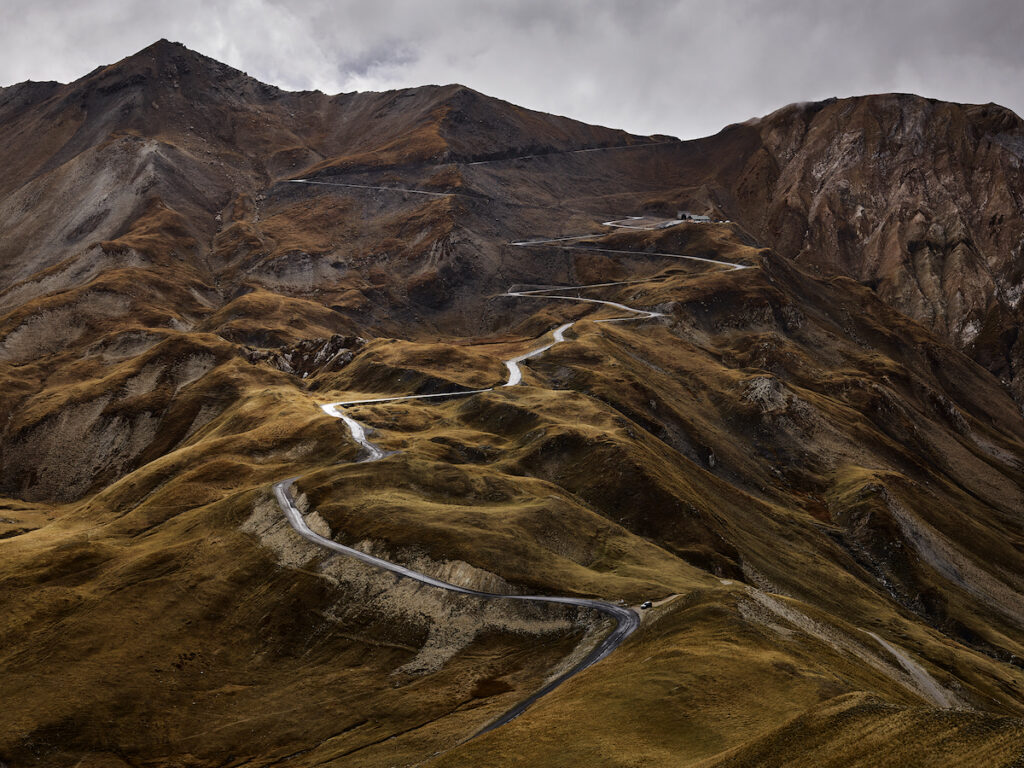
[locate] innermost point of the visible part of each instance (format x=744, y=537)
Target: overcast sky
x=682, y=67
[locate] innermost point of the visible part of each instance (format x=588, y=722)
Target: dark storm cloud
x=682, y=67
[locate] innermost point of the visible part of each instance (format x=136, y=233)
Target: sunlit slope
x=821, y=496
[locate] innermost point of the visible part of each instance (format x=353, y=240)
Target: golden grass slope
x=822, y=497
x=718, y=455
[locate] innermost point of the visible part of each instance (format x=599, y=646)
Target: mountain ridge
x=805, y=472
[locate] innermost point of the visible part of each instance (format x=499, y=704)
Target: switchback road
x=626, y=620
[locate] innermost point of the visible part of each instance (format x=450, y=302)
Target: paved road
x=575, y=152
x=545, y=293
x=626, y=620
x=556, y=243
x=404, y=190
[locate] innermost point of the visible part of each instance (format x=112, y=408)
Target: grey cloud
x=684, y=67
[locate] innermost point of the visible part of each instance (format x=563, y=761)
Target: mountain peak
x=744, y=409
x=167, y=61
x=163, y=48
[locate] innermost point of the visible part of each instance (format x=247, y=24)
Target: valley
x=355, y=429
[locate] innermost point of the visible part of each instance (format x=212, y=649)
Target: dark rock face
x=310, y=356
x=921, y=200
x=798, y=456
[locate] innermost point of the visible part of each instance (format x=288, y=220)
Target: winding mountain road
x=574, y=152
x=626, y=620
x=404, y=190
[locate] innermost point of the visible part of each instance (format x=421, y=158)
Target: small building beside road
x=687, y=216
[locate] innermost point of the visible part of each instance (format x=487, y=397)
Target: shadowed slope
x=821, y=496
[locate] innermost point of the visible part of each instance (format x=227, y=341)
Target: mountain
x=795, y=428
x=919, y=199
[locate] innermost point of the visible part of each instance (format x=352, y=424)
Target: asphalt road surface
x=626, y=620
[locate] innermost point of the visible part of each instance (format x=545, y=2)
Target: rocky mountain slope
x=921, y=200
x=814, y=465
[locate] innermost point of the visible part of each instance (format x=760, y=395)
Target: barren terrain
x=795, y=427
